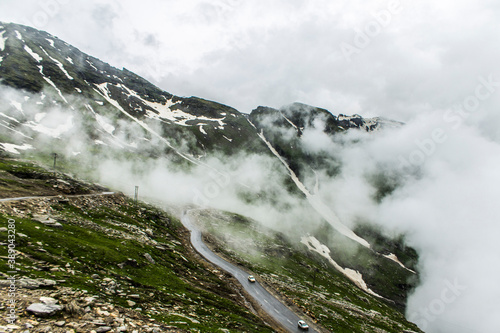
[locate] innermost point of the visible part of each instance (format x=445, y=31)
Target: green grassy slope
x=107, y=237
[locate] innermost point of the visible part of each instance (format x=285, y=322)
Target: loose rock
x=43, y=310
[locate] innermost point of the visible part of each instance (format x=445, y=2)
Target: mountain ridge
x=35, y=61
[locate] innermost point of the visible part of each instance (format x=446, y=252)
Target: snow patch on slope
x=100, y=143
x=294, y=177
x=49, y=81
x=315, y=245
x=164, y=111
x=328, y=214
x=325, y=211
x=108, y=128
x=104, y=124
x=50, y=41
x=2, y=41
x=32, y=53
x=59, y=64
x=368, y=124
x=92, y=65
x=15, y=131
x=10, y=118
x=102, y=89
x=13, y=149
x=290, y=122
x=394, y=258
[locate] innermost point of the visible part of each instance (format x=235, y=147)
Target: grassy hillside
x=130, y=255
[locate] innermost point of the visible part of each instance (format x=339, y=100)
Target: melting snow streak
x=315, y=245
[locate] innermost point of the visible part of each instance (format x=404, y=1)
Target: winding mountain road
x=277, y=310
x=270, y=304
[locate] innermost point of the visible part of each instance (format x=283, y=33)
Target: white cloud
x=448, y=210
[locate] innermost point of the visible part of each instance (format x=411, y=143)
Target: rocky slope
x=104, y=263
x=111, y=264
x=305, y=280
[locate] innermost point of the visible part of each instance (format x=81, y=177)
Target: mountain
x=40, y=64
x=57, y=103
x=285, y=129
x=301, y=116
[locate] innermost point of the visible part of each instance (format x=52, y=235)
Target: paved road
x=268, y=302
x=54, y=196
x=287, y=318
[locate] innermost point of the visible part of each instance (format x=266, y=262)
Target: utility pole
x=136, y=197
x=55, y=158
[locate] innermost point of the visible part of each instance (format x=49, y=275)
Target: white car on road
x=302, y=325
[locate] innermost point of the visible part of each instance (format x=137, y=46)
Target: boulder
x=48, y=221
x=30, y=283
x=149, y=258
x=48, y=300
x=43, y=310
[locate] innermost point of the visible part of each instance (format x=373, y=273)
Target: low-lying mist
x=123, y=155
x=438, y=185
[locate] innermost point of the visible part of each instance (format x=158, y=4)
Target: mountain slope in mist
x=56, y=99
x=42, y=65
x=297, y=131
x=94, y=252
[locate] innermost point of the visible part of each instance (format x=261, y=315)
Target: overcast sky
x=391, y=58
